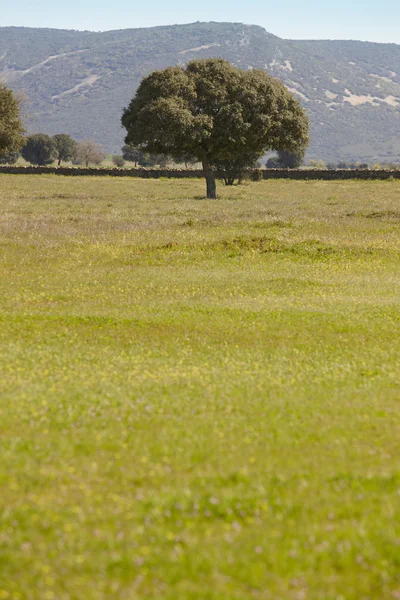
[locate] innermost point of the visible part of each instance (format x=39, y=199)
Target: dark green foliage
x=188, y=161
x=214, y=112
x=256, y=175
x=132, y=154
x=40, y=149
x=136, y=155
x=273, y=163
x=287, y=159
x=291, y=159
x=160, y=160
x=235, y=169
x=9, y=159
x=66, y=147
x=11, y=129
x=352, y=165
x=145, y=160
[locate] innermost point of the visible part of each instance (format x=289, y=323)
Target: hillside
x=78, y=82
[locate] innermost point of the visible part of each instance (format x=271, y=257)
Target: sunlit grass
x=199, y=399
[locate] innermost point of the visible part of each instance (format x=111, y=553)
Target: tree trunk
x=59, y=161
x=210, y=180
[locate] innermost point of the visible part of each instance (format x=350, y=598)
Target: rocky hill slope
x=78, y=82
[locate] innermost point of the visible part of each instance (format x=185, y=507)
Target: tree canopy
x=291, y=159
x=11, y=128
x=235, y=168
x=132, y=154
x=287, y=159
x=66, y=147
x=40, y=149
x=214, y=111
x=89, y=152
x=143, y=159
x=9, y=159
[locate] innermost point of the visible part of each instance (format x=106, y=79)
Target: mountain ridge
x=79, y=81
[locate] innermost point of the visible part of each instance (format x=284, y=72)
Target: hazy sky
x=302, y=19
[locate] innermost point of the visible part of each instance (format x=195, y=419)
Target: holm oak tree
x=214, y=112
x=66, y=147
x=40, y=149
x=11, y=129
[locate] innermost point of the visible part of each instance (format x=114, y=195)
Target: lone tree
x=214, y=112
x=293, y=159
x=287, y=159
x=40, y=149
x=89, y=152
x=11, y=129
x=66, y=147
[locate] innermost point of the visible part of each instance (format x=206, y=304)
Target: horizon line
x=100, y=31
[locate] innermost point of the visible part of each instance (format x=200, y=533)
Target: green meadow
x=199, y=400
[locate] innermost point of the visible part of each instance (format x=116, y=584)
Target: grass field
x=200, y=400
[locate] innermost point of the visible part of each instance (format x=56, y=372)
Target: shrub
x=318, y=164
x=118, y=160
x=256, y=175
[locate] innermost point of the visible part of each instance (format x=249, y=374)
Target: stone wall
x=102, y=171
x=329, y=175
x=299, y=174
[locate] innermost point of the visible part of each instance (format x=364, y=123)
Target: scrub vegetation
x=199, y=399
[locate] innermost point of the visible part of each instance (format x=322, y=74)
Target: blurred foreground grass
x=199, y=399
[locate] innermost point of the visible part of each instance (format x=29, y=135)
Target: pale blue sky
x=302, y=19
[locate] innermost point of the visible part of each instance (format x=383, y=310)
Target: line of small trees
x=138, y=157
x=229, y=170
x=42, y=149
x=294, y=160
